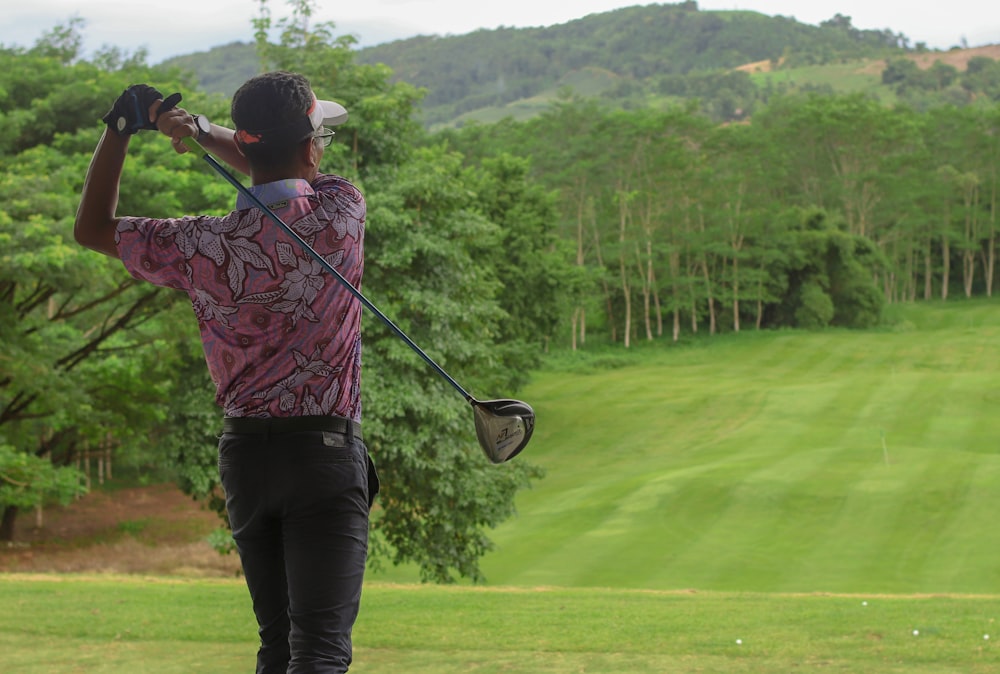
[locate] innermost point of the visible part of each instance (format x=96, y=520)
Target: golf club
x=503, y=426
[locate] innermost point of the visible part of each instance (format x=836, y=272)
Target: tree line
x=817, y=211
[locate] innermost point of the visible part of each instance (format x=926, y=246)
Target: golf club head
x=503, y=427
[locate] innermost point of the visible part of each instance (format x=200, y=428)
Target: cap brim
x=334, y=114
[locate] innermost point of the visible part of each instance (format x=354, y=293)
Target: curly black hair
x=271, y=101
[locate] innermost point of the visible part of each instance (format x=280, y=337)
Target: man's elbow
x=95, y=236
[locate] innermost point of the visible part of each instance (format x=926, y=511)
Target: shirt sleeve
x=153, y=250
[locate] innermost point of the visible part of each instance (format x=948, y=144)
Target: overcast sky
x=187, y=26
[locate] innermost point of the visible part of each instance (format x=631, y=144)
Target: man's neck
x=262, y=177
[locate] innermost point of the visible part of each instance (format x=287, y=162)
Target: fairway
x=778, y=462
x=833, y=461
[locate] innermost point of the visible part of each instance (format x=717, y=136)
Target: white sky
x=187, y=26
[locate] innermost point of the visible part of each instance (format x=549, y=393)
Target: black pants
x=298, y=503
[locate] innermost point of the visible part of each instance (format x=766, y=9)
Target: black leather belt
x=266, y=425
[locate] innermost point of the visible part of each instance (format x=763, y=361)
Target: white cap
x=326, y=113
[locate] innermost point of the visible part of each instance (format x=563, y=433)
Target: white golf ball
x=864, y=603
x=986, y=636
x=739, y=642
x=916, y=633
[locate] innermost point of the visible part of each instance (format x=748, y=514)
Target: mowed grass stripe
x=757, y=463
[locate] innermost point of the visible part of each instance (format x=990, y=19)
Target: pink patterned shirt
x=281, y=336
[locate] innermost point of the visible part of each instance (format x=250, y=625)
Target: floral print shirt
x=282, y=337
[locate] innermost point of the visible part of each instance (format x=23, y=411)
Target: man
x=282, y=343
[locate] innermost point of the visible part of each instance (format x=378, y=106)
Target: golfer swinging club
x=282, y=342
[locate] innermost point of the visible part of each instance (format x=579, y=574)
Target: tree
x=428, y=266
x=28, y=481
x=75, y=327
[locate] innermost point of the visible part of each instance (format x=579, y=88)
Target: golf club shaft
x=221, y=170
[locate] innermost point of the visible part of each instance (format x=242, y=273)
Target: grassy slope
x=756, y=463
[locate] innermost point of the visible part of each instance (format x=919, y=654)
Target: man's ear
x=311, y=153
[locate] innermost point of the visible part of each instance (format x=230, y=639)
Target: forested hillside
x=627, y=56
x=645, y=48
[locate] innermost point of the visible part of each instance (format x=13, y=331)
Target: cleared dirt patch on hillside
x=958, y=58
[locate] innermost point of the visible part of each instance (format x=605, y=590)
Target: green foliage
x=29, y=481
x=85, y=346
x=815, y=309
x=679, y=220
x=431, y=266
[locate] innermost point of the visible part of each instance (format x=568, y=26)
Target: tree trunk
x=574, y=322
x=928, y=271
x=7, y=524
x=579, y=317
x=647, y=294
x=623, y=218
x=736, y=295
x=675, y=273
x=709, y=296
x=946, y=263
x=604, y=285
x=989, y=263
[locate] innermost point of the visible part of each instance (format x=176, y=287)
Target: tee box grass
x=136, y=625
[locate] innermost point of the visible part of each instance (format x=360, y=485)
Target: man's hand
x=133, y=111
x=177, y=123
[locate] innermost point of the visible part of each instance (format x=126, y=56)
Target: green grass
x=755, y=462
x=758, y=486
x=135, y=625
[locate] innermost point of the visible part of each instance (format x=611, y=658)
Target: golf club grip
x=195, y=146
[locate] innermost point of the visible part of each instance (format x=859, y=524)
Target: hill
x=647, y=47
x=626, y=55
x=220, y=70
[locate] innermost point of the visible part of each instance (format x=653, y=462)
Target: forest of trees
x=817, y=212
x=489, y=245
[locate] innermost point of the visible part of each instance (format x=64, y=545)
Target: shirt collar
x=273, y=194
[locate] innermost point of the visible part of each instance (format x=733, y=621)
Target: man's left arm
x=135, y=110
x=95, y=218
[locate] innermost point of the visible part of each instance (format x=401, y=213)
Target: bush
x=815, y=308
